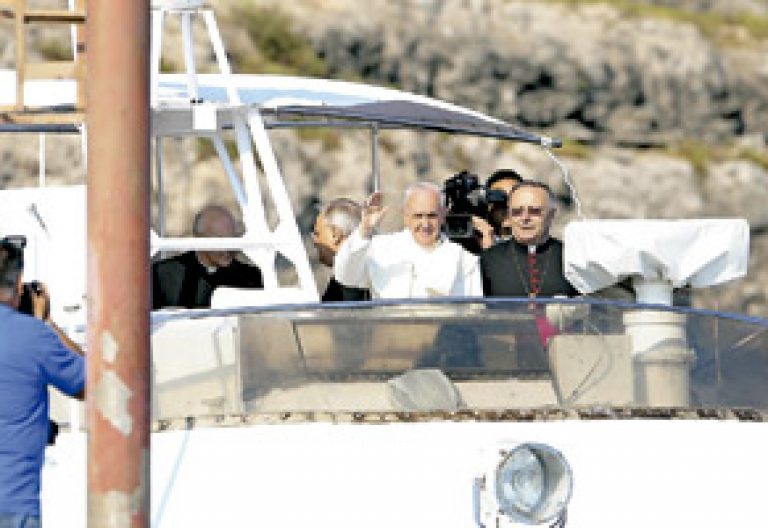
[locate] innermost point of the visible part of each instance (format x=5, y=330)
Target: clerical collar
x=210, y=270
x=531, y=249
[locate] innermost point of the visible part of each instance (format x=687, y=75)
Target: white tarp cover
x=699, y=253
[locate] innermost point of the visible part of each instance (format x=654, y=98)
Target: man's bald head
x=214, y=221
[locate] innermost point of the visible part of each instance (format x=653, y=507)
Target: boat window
x=456, y=355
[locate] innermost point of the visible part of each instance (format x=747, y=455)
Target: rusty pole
x=117, y=117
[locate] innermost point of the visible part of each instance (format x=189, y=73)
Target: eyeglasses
x=532, y=211
x=14, y=242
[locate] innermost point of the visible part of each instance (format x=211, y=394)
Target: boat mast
x=118, y=161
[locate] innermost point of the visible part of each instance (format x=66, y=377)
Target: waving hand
x=373, y=214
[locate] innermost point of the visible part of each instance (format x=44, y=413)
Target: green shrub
x=55, y=50
x=574, y=149
x=700, y=154
x=204, y=149
x=330, y=139
x=697, y=153
x=758, y=157
x=277, y=47
x=168, y=65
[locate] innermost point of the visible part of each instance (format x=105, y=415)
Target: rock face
x=627, y=87
x=604, y=76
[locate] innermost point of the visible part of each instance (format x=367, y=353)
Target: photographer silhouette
x=34, y=354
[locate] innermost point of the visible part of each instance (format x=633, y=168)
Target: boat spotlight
x=527, y=484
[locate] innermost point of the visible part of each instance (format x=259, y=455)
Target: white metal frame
x=260, y=243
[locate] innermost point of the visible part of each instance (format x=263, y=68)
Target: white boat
x=271, y=409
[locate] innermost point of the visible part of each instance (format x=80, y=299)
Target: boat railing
x=453, y=355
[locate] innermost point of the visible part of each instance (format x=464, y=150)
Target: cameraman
x=33, y=356
x=477, y=214
x=501, y=181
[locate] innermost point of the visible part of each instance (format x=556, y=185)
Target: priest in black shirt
x=188, y=280
x=333, y=225
x=530, y=264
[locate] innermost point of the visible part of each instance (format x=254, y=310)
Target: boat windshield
x=456, y=355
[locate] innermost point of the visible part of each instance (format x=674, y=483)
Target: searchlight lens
x=520, y=481
x=533, y=484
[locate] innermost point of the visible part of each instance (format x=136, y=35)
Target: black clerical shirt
x=506, y=270
x=182, y=281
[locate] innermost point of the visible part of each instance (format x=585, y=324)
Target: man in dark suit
x=332, y=226
x=188, y=280
x=501, y=180
x=530, y=264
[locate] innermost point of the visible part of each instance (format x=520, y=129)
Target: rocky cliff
x=594, y=71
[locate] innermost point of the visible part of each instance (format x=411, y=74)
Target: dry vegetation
x=716, y=25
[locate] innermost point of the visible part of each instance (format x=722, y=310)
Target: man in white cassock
x=418, y=261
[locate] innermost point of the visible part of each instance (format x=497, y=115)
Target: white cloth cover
x=227, y=297
x=394, y=266
x=699, y=253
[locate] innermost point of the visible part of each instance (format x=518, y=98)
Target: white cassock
x=394, y=266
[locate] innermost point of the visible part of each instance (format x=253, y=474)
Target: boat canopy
x=287, y=101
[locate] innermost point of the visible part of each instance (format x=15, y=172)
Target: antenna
x=566, y=178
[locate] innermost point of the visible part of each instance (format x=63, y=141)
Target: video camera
x=25, y=301
x=466, y=197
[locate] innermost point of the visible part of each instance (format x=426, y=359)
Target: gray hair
x=424, y=186
x=533, y=184
x=344, y=214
